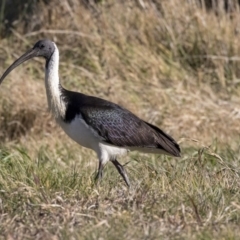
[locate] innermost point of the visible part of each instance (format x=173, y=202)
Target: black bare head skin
x=44, y=48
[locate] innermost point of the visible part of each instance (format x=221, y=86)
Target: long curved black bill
x=26, y=56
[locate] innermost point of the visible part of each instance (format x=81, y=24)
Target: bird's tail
x=165, y=142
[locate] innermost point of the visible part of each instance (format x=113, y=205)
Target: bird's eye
x=41, y=46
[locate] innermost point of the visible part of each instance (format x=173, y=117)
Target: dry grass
x=42, y=197
x=172, y=63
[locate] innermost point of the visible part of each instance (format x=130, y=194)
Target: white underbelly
x=84, y=135
x=81, y=133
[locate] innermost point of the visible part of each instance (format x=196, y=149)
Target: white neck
x=55, y=104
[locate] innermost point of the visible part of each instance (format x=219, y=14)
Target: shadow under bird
x=105, y=127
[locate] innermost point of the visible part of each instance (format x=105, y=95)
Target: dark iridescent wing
x=118, y=126
x=122, y=128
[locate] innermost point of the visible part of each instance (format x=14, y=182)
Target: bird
x=103, y=126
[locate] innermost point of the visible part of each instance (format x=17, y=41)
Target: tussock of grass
x=173, y=63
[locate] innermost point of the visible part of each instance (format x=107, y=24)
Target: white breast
x=80, y=132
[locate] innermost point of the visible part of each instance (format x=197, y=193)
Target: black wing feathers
x=116, y=125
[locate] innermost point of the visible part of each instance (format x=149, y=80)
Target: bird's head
x=43, y=48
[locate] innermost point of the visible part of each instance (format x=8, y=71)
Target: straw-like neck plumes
x=53, y=87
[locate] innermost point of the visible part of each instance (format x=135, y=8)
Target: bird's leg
x=100, y=171
x=121, y=171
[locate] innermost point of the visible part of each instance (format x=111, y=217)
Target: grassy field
x=174, y=64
